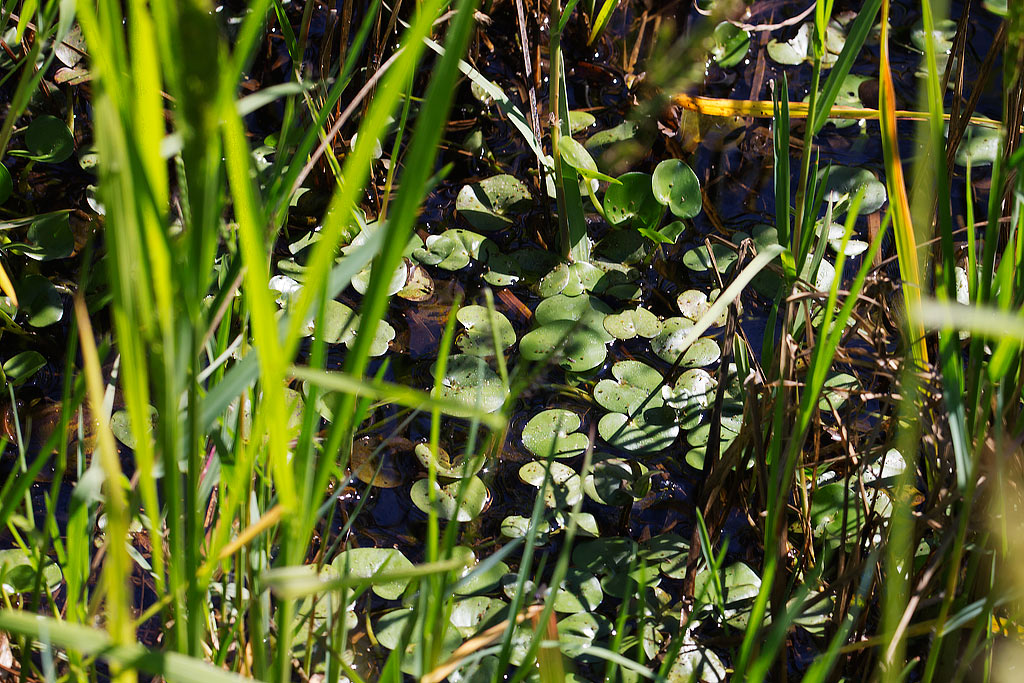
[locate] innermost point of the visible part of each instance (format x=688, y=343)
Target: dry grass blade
x=717, y=106
x=906, y=242
x=6, y=286
x=477, y=643
x=267, y=521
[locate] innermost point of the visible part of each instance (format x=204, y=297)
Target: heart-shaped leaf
x=564, y=488
x=49, y=139
x=574, y=346
x=552, y=433
x=675, y=185
x=731, y=44
x=480, y=337
x=671, y=344
x=632, y=200
x=446, y=499
x=365, y=563
x=471, y=382
x=489, y=204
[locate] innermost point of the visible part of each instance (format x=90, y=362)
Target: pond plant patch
x=461, y=341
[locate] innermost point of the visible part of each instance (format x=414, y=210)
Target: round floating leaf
x=552, y=433
x=998, y=7
x=485, y=668
x=446, y=501
x=693, y=391
x=361, y=280
x=943, y=32
x=623, y=246
x=556, y=281
x=18, y=572
x=586, y=523
x=631, y=323
x=479, y=338
x=696, y=663
x=6, y=184
x=849, y=96
x=439, y=249
x=698, y=259
x=340, y=323
x=588, y=310
x=40, y=301
x=641, y=434
x=624, y=584
x=844, y=181
x=390, y=627
x=980, y=146
x=580, y=120
x=831, y=501
x=636, y=387
x=632, y=199
x=381, y=338
x=472, y=579
x=575, y=346
x=503, y=269
x=699, y=436
x=675, y=185
x=602, y=140
x=488, y=203
x=825, y=275
x=365, y=563
x=393, y=628
x=384, y=464
x=577, y=156
x=71, y=49
x=578, y=592
x=670, y=551
x=613, y=481
x=471, y=382
x=670, y=345
x=20, y=367
x=49, y=139
x=471, y=615
x=740, y=585
x=418, y=287
x=693, y=304
x=451, y=250
x=853, y=247
x=888, y=467
x=563, y=489
x=517, y=526
x=570, y=279
x=835, y=234
x=50, y=238
x=458, y=467
x=578, y=631
x=605, y=555
x=792, y=51
x=836, y=390
x=731, y=44
x=121, y=426
x=815, y=614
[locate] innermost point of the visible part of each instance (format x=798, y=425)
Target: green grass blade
x=855, y=39
x=93, y=642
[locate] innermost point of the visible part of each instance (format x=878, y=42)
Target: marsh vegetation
x=598, y=340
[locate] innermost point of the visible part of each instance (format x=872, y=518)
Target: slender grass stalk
x=571, y=221
x=117, y=568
